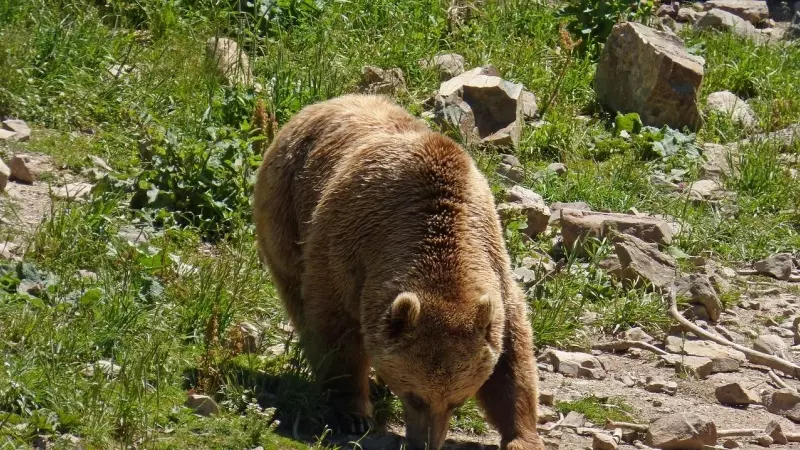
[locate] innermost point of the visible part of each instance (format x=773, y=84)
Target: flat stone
x=602, y=441
x=777, y=266
x=577, y=224
x=78, y=190
x=21, y=130
x=697, y=366
x=581, y=365
x=723, y=359
x=6, y=135
x=721, y=161
x=107, y=368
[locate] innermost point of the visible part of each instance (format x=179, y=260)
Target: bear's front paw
x=349, y=423
x=531, y=443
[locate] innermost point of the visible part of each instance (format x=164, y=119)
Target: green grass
x=599, y=410
x=172, y=330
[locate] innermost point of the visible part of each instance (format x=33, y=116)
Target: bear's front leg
x=509, y=397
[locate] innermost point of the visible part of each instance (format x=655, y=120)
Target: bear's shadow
x=282, y=391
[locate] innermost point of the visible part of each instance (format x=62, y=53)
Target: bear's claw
x=349, y=423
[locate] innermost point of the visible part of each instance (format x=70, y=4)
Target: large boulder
x=723, y=359
x=650, y=72
x=777, y=266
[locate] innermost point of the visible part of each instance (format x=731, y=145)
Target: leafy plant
x=593, y=20
x=205, y=183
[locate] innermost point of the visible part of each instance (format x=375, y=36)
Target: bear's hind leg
x=509, y=396
x=335, y=350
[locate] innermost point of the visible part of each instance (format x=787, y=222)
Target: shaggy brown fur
x=382, y=239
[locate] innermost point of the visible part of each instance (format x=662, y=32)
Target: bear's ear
x=404, y=313
x=485, y=311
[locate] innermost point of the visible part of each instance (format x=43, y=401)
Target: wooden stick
x=626, y=425
x=640, y=445
x=627, y=345
x=779, y=381
x=754, y=356
x=741, y=432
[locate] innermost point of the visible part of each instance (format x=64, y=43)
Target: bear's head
x=434, y=354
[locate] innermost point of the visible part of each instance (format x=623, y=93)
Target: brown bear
x=384, y=245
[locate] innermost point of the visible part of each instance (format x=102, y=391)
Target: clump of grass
x=598, y=410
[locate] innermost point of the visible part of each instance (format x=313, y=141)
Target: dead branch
x=627, y=345
x=779, y=381
x=754, y=356
x=640, y=445
x=738, y=433
x=626, y=425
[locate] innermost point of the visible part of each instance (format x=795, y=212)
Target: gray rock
x=697, y=366
x=557, y=207
x=785, y=402
x=546, y=414
x=23, y=169
x=774, y=430
x=6, y=135
x=5, y=174
x=728, y=104
x=753, y=11
x=202, y=404
x=375, y=80
x=640, y=261
x=637, y=334
x=448, y=65
x=577, y=224
x=650, y=72
x=687, y=15
x=658, y=386
x=74, y=191
x=511, y=168
x=723, y=359
x=777, y=266
x=681, y=432
x=520, y=200
x=697, y=288
x=21, y=130
x=581, y=365
x=781, y=140
x=666, y=10
x=574, y=420
x=107, y=368
x=721, y=161
x=602, y=441
x=529, y=106
x=704, y=189
x=557, y=168
x=734, y=394
x=232, y=63
x=771, y=345
x=717, y=19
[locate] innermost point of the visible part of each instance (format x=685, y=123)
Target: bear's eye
x=416, y=402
